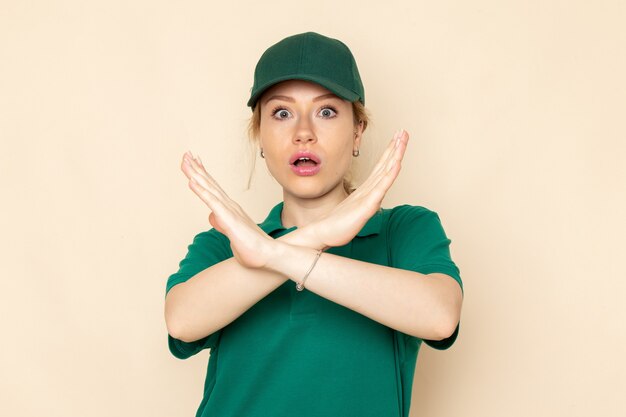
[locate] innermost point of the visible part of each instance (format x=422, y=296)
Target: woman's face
x=307, y=134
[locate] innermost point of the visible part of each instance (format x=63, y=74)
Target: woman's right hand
x=251, y=246
x=340, y=226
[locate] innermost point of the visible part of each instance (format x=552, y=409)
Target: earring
x=355, y=153
x=262, y=154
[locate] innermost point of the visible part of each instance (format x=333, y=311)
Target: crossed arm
x=427, y=306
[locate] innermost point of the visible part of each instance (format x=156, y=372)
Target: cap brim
x=334, y=88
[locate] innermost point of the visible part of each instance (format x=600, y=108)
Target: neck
x=299, y=211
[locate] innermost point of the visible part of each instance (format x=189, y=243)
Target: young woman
x=320, y=310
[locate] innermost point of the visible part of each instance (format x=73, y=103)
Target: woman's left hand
x=251, y=246
x=340, y=225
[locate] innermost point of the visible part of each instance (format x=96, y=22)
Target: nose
x=304, y=132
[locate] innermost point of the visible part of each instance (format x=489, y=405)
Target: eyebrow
x=290, y=99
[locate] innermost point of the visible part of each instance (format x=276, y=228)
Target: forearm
x=425, y=306
x=216, y=296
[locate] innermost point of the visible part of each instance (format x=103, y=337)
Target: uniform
x=295, y=353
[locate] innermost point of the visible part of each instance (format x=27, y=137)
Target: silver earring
x=262, y=154
x=355, y=153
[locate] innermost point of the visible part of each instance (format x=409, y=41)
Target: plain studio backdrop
x=515, y=111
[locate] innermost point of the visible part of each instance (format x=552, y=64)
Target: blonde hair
x=359, y=113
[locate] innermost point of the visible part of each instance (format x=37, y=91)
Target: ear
x=358, y=134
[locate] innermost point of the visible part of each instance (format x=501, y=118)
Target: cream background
x=516, y=115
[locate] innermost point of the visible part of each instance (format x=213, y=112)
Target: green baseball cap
x=312, y=57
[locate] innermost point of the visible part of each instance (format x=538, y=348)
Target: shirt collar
x=273, y=222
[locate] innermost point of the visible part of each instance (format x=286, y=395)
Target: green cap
x=312, y=57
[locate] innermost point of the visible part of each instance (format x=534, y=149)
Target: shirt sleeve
x=417, y=242
x=208, y=248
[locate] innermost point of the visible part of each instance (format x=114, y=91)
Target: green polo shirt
x=295, y=353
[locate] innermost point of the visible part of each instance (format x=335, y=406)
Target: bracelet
x=300, y=286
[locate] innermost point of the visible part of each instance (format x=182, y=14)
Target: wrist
x=277, y=254
x=304, y=236
x=290, y=260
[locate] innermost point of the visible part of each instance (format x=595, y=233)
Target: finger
x=213, y=201
x=399, y=150
x=387, y=152
x=197, y=165
x=377, y=189
x=388, y=156
x=192, y=173
x=224, y=214
x=398, y=147
x=378, y=192
x=384, y=177
x=392, y=170
x=207, y=188
x=192, y=170
x=202, y=182
x=185, y=165
x=381, y=167
x=193, y=164
x=203, y=171
x=200, y=162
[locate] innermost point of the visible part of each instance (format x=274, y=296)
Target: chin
x=309, y=189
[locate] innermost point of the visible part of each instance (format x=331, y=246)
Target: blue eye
x=328, y=112
x=280, y=113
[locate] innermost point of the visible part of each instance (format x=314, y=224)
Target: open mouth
x=304, y=158
x=304, y=162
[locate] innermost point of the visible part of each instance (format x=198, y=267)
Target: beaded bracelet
x=300, y=286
